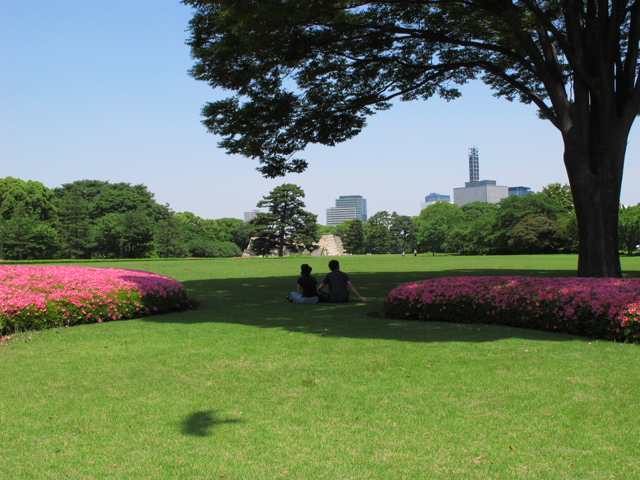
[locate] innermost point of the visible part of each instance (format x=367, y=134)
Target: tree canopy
x=286, y=224
x=308, y=72
x=33, y=197
x=97, y=219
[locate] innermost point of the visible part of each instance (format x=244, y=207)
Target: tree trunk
x=281, y=243
x=594, y=158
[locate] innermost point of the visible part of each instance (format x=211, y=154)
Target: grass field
x=251, y=387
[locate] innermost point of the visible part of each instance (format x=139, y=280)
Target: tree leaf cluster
x=285, y=225
x=97, y=219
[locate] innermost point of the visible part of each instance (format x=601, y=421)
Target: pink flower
x=599, y=301
x=35, y=291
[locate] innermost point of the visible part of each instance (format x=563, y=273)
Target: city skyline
x=86, y=95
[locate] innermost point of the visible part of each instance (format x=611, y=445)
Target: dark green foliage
x=33, y=198
x=434, y=225
x=286, y=225
x=531, y=224
x=26, y=237
x=326, y=230
x=512, y=210
x=236, y=231
x=536, y=234
x=124, y=235
x=629, y=228
x=43, y=240
x=341, y=229
x=108, y=234
x=402, y=232
x=96, y=219
x=569, y=225
x=74, y=226
x=17, y=233
x=101, y=219
x=137, y=234
x=169, y=238
x=377, y=237
x=104, y=198
x=470, y=235
x=353, y=238
x=206, y=248
x=561, y=194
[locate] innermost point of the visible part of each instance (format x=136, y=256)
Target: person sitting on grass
x=338, y=282
x=307, y=291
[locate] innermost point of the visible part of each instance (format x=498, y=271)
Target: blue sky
x=99, y=90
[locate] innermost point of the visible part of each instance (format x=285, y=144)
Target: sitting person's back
x=307, y=291
x=338, y=282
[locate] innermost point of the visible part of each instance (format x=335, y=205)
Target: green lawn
x=251, y=387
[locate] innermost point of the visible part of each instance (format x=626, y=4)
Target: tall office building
x=476, y=190
x=250, y=215
x=474, y=165
x=348, y=207
x=433, y=198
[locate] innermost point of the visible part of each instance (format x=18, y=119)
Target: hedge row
x=594, y=307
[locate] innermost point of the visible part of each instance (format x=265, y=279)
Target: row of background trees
x=542, y=222
x=97, y=219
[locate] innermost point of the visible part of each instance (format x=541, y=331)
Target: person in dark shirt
x=307, y=288
x=338, y=282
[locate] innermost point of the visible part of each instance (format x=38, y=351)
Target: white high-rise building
x=250, y=215
x=476, y=190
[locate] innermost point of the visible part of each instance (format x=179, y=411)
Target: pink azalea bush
x=595, y=307
x=37, y=297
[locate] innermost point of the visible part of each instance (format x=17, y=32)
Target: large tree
x=402, y=232
x=286, y=224
x=377, y=237
x=74, y=227
x=32, y=198
x=353, y=237
x=236, y=231
x=311, y=71
x=104, y=198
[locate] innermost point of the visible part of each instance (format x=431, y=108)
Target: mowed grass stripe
x=248, y=386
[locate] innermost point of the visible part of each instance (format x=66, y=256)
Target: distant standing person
x=403, y=253
x=337, y=282
x=307, y=288
x=415, y=252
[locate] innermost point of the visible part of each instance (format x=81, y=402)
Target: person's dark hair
x=334, y=265
x=305, y=269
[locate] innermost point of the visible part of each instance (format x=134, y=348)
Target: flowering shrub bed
x=594, y=307
x=37, y=297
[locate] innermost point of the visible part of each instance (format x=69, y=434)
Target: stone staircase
x=332, y=245
x=329, y=245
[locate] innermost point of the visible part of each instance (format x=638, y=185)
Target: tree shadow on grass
x=260, y=302
x=201, y=424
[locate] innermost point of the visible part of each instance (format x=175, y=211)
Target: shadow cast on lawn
x=200, y=424
x=260, y=302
